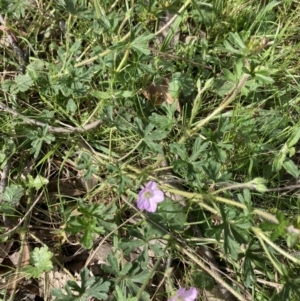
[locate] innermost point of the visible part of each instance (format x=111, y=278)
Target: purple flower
x=185, y=295
x=149, y=197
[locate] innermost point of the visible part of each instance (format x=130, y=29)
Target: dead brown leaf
x=159, y=93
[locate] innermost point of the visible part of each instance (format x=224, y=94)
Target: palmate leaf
x=40, y=260
x=37, y=182
x=140, y=44
x=231, y=246
x=128, y=245
x=12, y=194
x=23, y=82
x=290, y=288
x=17, y=7
x=90, y=287
x=172, y=214
x=248, y=272
x=140, y=277
x=120, y=297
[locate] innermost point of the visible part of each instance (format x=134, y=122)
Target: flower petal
x=157, y=196
x=185, y=295
x=151, y=185
x=141, y=193
x=189, y=295
x=149, y=196
x=151, y=206
x=141, y=203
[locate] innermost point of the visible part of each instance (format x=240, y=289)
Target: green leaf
x=220, y=153
x=37, y=182
x=157, y=249
x=91, y=287
x=162, y=122
x=140, y=44
x=120, y=296
x=101, y=94
x=248, y=272
x=259, y=184
x=214, y=231
x=279, y=158
x=113, y=266
x=267, y=8
x=291, y=239
x=290, y=287
x=87, y=239
x=291, y=168
x=38, y=137
x=124, y=94
x=228, y=75
x=264, y=77
x=126, y=269
x=229, y=47
x=71, y=106
x=198, y=148
x=171, y=32
x=141, y=277
x=232, y=246
x=172, y=214
x=156, y=135
x=129, y=245
x=75, y=47
x=40, y=259
x=212, y=170
x=187, y=85
x=18, y=8
x=294, y=138
x=35, y=68
x=7, y=84
x=178, y=150
x=155, y=147
x=23, y=82
x=175, y=85
x=222, y=87
x=180, y=83
x=236, y=39
x=12, y=194
x=240, y=234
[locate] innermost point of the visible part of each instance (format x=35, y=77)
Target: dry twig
x=51, y=129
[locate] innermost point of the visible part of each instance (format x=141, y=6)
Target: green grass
x=80, y=136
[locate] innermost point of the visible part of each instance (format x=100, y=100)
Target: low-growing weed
x=149, y=150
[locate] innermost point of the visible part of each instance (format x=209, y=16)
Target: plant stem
x=227, y=101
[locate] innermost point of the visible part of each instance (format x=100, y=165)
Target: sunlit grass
x=208, y=109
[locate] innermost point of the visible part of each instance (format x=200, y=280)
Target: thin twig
x=204, y=267
x=92, y=254
x=16, y=228
x=226, y=294
x=177, y=57
x=229, y=186
x=51, y=129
